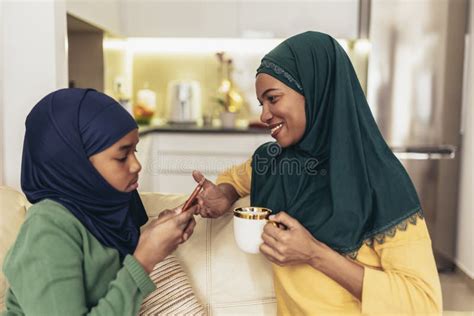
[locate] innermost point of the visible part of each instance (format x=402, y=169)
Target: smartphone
x=192, y=198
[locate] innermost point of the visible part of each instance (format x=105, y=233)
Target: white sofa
x=226, y=280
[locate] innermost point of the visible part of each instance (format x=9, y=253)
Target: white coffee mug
x=248, y=227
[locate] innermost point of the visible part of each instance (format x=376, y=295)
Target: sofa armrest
x=13, y=206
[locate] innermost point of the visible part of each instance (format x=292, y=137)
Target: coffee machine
x=184, y=102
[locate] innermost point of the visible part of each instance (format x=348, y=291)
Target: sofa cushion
x=241, y=283
x=174, y=294
x=225, y=279
x=155, y=203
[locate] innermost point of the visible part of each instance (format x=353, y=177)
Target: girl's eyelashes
x=125, y=158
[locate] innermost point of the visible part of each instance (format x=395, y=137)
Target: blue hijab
x=63, y=130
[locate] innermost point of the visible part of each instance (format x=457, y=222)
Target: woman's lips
x=275, y=129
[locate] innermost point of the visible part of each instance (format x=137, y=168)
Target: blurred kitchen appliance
x=415, y=82
x=184, y=101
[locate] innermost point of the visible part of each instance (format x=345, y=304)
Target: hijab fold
x=63, y=130
x=356, y=187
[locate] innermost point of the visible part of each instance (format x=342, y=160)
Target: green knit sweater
x=57, y=267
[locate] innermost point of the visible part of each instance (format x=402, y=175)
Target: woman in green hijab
x=355, y=239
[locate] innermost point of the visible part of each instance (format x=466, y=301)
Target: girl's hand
x=188, y=231
x=212, y=201
x=290, y=246
x=163, y=235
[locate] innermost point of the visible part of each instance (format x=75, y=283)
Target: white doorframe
x=34, y=64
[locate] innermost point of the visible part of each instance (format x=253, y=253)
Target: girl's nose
x=135, y=166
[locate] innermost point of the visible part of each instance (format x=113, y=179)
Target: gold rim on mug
x=252, y=212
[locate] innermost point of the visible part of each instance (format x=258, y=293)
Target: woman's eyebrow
x=267, y=91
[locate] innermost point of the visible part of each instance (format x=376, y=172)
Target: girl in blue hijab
x=80, y=250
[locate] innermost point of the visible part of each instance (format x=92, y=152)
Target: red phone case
x=189, y=202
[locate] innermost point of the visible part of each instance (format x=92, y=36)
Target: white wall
x=465, y=237
x=34, y=64
x=104, y=14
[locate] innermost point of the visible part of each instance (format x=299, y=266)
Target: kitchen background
x=159, y=59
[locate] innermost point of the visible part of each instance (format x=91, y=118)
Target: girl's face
x=283, y=109
x=118, y=163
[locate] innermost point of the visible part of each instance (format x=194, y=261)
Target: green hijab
x=341, y=181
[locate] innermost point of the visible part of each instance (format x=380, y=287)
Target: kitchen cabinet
x=239, y=18
x=286, y=18
x=179, y=18
x=168, y=159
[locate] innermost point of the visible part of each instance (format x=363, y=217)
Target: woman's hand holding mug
x=292, y=245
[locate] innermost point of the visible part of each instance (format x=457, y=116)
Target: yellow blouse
x=400, y=275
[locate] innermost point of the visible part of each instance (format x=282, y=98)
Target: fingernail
x=271, y=217
x=185, y=236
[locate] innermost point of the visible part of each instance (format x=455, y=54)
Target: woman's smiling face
x=283, y=109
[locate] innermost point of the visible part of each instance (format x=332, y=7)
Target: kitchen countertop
x=401, y=152
x=194, y=129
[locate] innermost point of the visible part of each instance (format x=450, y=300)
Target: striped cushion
x=173, y=294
